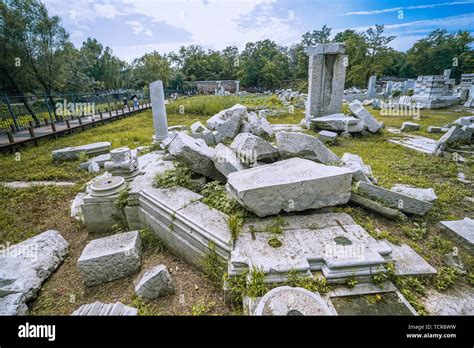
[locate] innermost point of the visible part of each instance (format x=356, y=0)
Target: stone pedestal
x=98, y=208
x=123, y=163
x=160, y=122
x=326, y=76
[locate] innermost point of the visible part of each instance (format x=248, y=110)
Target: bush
x=181, y=175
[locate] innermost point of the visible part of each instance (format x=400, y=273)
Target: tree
x=317, y=36
x=440, y=50
x=356, y=49
x=263, y=64
x=149, y=68
x=378, y=52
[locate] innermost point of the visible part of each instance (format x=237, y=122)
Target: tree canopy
x=37, y=56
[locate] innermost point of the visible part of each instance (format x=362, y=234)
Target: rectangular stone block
x=109, y=258
x=392, y=199
x=291, y=185
x=461, y=230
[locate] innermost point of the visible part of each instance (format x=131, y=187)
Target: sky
x=132, y=28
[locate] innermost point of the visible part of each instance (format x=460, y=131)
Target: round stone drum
x=286, y=300
x=107, y=186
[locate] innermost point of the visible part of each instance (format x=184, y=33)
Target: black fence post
x=11, y=140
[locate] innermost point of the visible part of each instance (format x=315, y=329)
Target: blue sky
x=134, y=27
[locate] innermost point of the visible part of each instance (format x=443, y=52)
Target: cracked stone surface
x=292, y=185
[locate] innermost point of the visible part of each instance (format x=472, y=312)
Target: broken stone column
x=371, y=89
x=157, y=96
x=326, y=76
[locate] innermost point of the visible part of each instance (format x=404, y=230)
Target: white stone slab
x=291, y=185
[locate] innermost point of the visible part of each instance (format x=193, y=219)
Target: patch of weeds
x=180, y=175
x=201, y=308
x=141, y=305
x=256, y=287
x=351, y=282
x=470, y=279
x=441, y=245
x=388, y=236
x=216, y=197
x=446, y=277
x=276, y=226
x=312, y=284
x=275, y=242
x=373, y=299
x=213, y=265
x=235, y=222
x=118, y=216
x=411, y=287
x=416, y=233
x=150, y=242
x=236, y=287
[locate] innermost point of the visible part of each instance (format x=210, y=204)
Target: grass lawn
x=27, y=212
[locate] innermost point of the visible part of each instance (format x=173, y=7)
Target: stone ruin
x=434, y=92
x=327, y=72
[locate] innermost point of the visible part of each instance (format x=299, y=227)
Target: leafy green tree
x=441, y=50
x=264, y=64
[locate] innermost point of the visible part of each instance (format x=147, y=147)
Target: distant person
x=125, y=102
x=135, y=102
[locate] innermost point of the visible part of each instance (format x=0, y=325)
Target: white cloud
x=215, y=24
x=139, y=28
x=105, y=10
x=394, y=9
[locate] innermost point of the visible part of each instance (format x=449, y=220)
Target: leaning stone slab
x=286, y=300
x=24, y=266
x=73, y=153
x=226, y=161
x=227, y=129
x=291, y=144
x=427, y=195
x=339, y=122
x=408, y=262
x=195, y=154
x=154, y=283
x=461, y=230
x=392, y=199
x=292, y=185
x=410, y=126
x=99, y=308
x=362, y=172
x=109, y=258
x=224, y=115
x=377, y=207
x=252, y=149
x=361, y=113
x=455, y=135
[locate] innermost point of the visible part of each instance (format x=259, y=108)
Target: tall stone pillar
x=157, y=96
x=326, y=77
x=371, y=93
x=237, y=87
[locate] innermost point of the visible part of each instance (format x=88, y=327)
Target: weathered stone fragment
x=292, y=144
x=195, y=154
x=251, y=149
x=109, y=258
x=74, y=152
x=154, y=283
x=427, y=195
x=461, y=230
x=392, y=199
x=362, y=172
x=327, y=136
x=99, y=308
x=339, y=123
x=226, y=161
x=361, y=113
x=199, y=131
x=291, y=185
x=410, y=126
